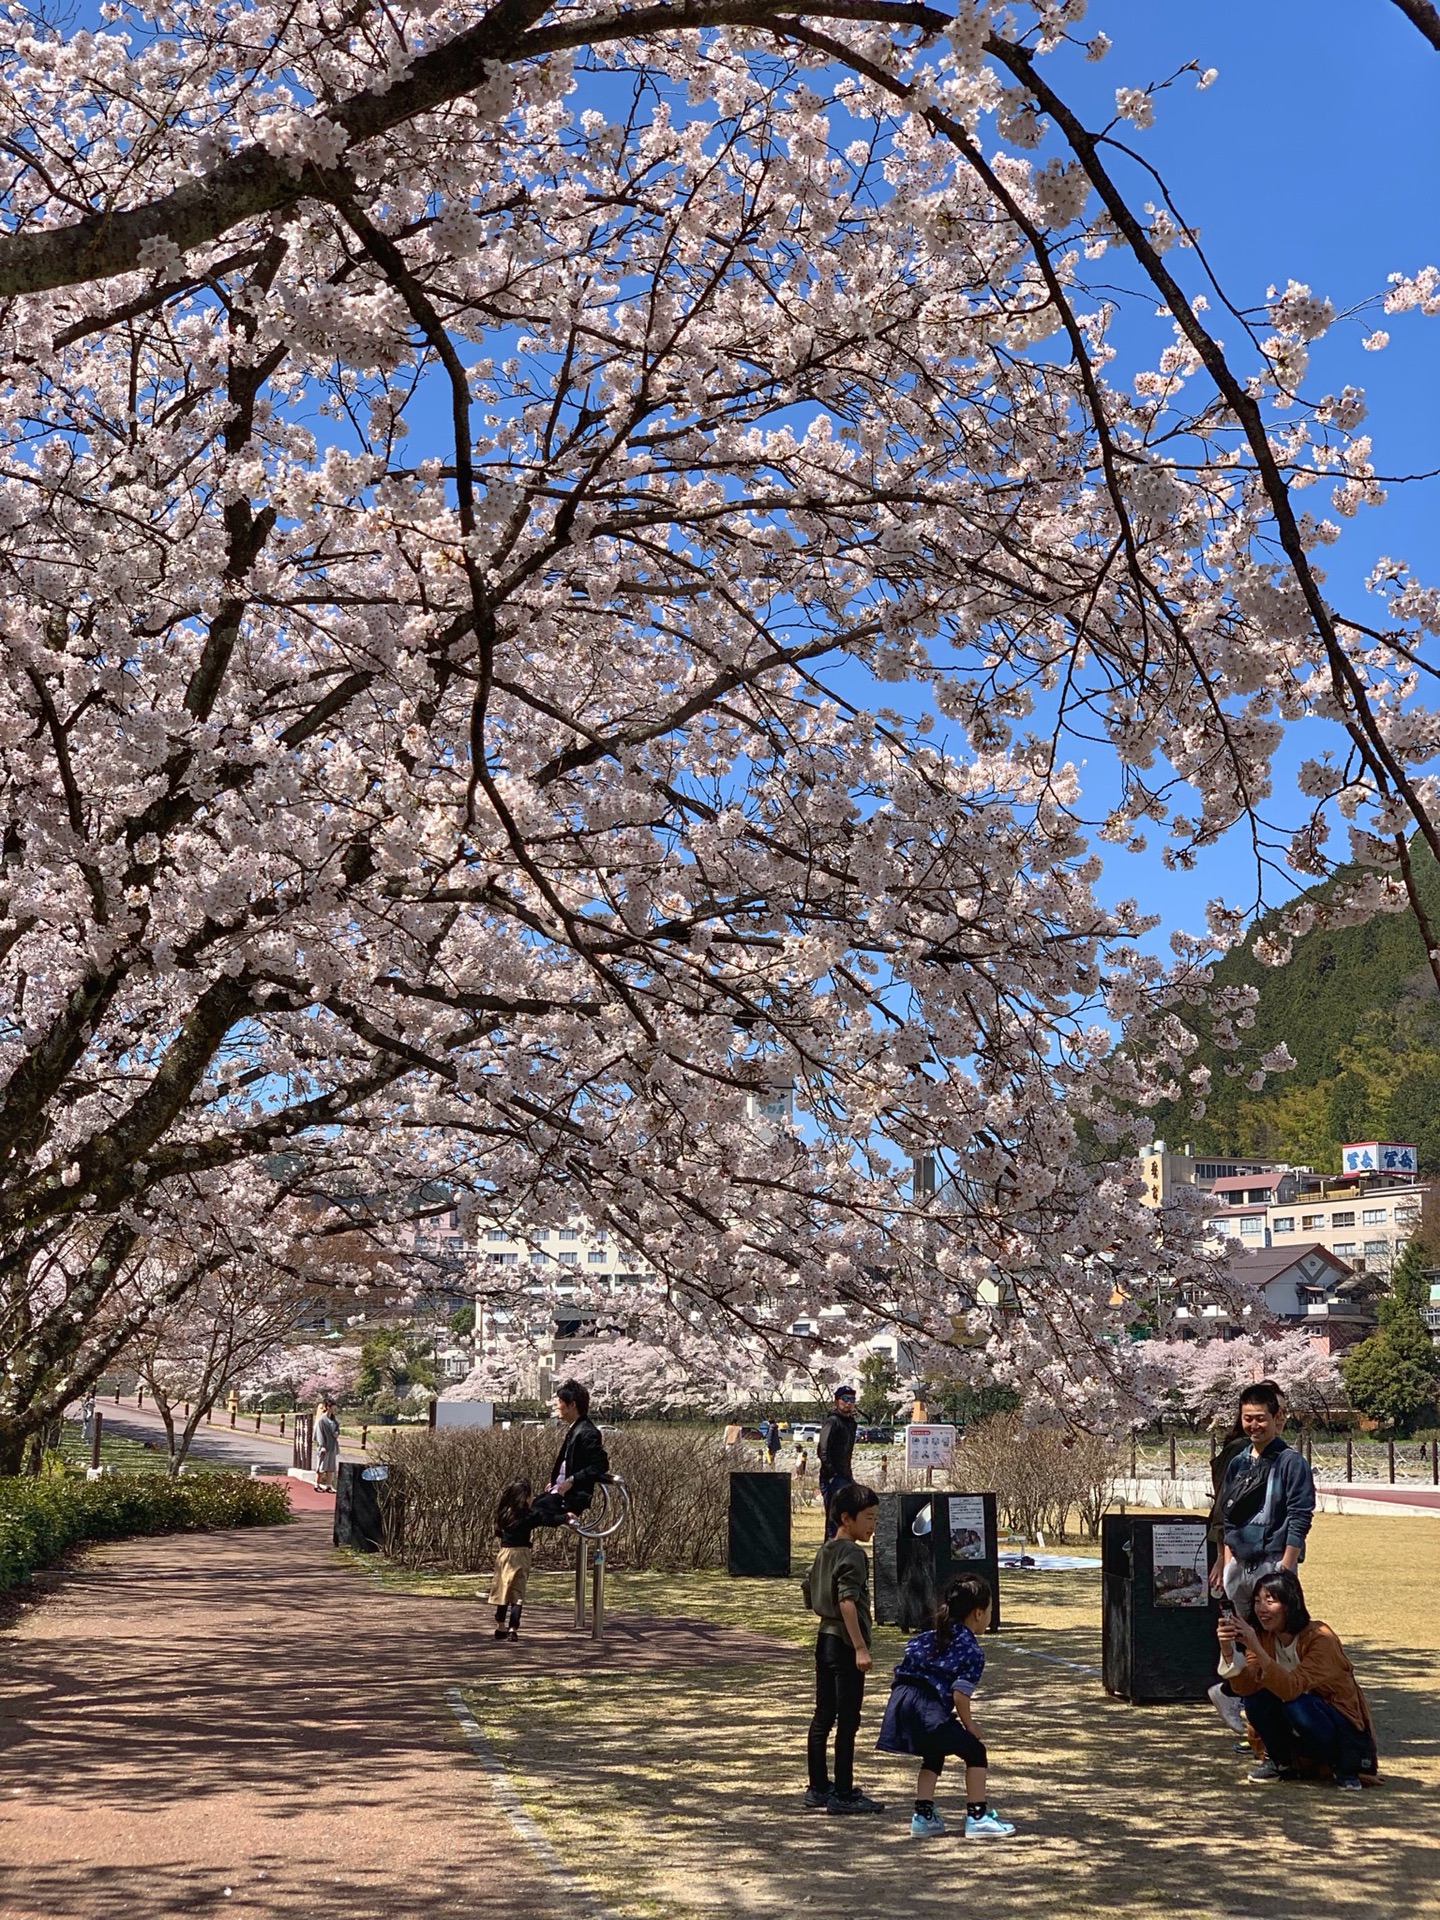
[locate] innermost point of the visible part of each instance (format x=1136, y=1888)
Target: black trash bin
x=1159, y=1616
x=759, y=1544
x=357, y=1506
x=912, y=1570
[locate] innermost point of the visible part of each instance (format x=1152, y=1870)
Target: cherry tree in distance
x=517, y=814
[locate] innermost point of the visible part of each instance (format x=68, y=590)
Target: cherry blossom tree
x=515, y=815
x=193, y=1352
x=1202, y=1378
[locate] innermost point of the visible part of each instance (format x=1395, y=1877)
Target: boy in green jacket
x=838, y=1589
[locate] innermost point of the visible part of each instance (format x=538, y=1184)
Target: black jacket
x=836, y=1447
x=518, y=1532
x=582, y=1458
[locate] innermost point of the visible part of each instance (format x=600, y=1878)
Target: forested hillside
x=1358, y=1009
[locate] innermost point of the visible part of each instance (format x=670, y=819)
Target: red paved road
x=244, y=1724
x=1386, y=1496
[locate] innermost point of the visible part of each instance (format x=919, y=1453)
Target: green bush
x=41, y=1518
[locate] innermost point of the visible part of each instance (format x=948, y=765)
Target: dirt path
x=245, y=1724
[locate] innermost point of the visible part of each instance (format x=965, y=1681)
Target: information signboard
x=929, y=1446
x=1178, y=1565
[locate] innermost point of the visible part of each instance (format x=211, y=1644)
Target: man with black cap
x=835, y=1449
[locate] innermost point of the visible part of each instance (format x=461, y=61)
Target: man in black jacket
x=835, y=1450
x=581, y=1463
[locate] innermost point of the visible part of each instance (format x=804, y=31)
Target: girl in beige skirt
x=515, y=1521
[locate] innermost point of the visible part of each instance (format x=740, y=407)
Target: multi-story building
x=1364, y=1217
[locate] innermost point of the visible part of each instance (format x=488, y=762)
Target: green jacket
x=841, y=1572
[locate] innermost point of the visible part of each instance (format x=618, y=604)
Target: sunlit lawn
x=677, y=1793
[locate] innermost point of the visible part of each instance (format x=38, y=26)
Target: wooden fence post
x=1390, y=1444
x=1349, y=1459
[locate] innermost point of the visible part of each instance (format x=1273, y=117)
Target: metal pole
x=1349, y=1459
x=581, y=1552
x=1390, y=1446
x=282, y=1426
x=96, y=1424
x=597, y=1594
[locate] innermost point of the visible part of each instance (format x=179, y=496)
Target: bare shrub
x=438, y=1505
x=1039, y=1475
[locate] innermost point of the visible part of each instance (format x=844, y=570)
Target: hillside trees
x=513, y=813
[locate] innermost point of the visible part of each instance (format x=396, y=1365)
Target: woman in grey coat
x=327, y=1443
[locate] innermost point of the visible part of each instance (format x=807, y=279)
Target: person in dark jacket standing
x=835, y=1451
x=1266, y=1505
x=581, y=1463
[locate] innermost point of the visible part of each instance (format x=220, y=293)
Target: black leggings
x=952, y=1740
x=554, y=1509
x=839, y=1691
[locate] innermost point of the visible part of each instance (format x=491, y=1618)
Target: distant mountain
x=1358, y=1009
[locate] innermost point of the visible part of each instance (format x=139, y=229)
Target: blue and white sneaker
x=926, y=1826
x=988, y=1827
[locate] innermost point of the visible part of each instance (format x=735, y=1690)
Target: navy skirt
x=913, y=1718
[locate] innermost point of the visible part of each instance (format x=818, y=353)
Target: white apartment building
x=1362, y=1218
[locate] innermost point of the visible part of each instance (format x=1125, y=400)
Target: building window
x=1285, y=1223
x=569, y=1233
x=627, y=1279
x=1377, y=1249
x=1342, y=1219
x=569, y=1259
x=597, y=1256
x=1252, y=1226
x=1406, y=1216
x=1373, y=1217
x=1313, y=1222
x=1346, y=1249
x=504, y=1259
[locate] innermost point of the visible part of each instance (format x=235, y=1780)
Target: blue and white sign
x=1379, y=1156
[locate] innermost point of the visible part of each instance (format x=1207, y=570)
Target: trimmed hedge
x=42, y=1518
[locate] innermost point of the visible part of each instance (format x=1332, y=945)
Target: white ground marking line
x=583, y=1900
x=1053, y=1659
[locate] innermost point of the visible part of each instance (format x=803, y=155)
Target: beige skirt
x=512, y=1576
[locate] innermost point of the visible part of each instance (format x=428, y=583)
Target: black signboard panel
x=1158, y=1615
x=357, y=1506
x=912, y=1570
x=760, y=1525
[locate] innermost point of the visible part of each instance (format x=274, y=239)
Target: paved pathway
x=244, y=1724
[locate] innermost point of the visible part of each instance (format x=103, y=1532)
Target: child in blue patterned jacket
x=930, y=1713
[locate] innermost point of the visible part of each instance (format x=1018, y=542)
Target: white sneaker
x=1228, y=1708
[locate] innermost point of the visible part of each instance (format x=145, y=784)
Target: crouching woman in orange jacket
x=1298, y=1687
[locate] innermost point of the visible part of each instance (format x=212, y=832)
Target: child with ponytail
x=930, y=1712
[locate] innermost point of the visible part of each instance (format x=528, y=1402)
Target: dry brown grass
x=677, y=1794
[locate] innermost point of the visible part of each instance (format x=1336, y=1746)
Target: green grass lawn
x=676, y=1793
x=129, y=1456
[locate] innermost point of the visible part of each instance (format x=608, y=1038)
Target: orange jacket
x=1324, y=1668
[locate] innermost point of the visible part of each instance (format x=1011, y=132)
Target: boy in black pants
x=838, y=1589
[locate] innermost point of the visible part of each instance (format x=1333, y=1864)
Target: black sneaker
x=855, y=1802
x=817, y=1799
x=500, y=1633
x=513, y=1634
